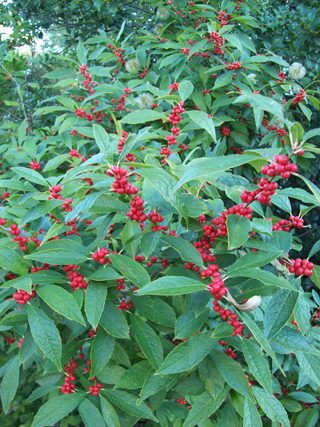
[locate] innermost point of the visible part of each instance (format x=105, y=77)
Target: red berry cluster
x=300, y=266
x=122, y=141
x=22, y=297
x=299, y=97
x=66, y=205
x=95, y=389
x=35, y=165
x=263, y=194
x=234, y=66
x=75, y=153
x=210, y=271
x=69, y=381
x=218, y=43
x=230, y=353
x=124, y=305
x=121, y=184
x=153, y=259
x=20, y=342
x=55, y=190
x=174, y=86
x=76, y=279
x=225, y=131
x=202, y=219
x=186, y=51
x=227, y=314
x=285, y=225
x=5, y=195
x=15, y=231
x=156, y=218
x=79, y=112
x=282, y=167
x=223, y=18
x=220, y=223
x=183, y=401
x=136, y=210
x=121, y=284
x=100, y=256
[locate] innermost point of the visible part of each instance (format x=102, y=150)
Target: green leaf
x=154, y=383
x=279, y=311
x=257, y=363
x=10, y=382
x=59, y=74
x=101, y=351
x=103, y=142
x=204, y=169
x=190, y=323
x=188, y=354
x=204, y=406
x=149, y=242
x=164, y=183
x=11, y=261
x=302, y=313
x=265, y=277
x=294, y=341
x=185, y=90
x=104, y=274
x=40, y=210
x=259, y=336
x=251, y=416
x=223, y=80
x=232, y=373
x=30, y=175
x=63, y=252
x=309, y=363
x=261, y=102
x=238, y=230
x=315, y=190
x=135, y=376
x=57, y=408
x=109, y=414
x=81, y=53
x=128, y=403
x=311, y=133
x=271, y=406
x=172, y=285
x=223, y=330
x=90, y=414
x=203, y=121
x=42, y=391
x=252, y=259
x=45, y=334
x=28, y=347
x=315, y=248
x=187, y=251
x=95, y=297
x=61, y=301
x=137, y=117
x=148, y=341
x=113, y=321
x=155, y=309
x=130, y=269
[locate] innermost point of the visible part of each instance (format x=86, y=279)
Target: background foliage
x=114, y=305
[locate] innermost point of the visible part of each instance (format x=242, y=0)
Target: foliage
x=157, y=191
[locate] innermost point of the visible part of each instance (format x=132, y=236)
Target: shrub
x=151, y=226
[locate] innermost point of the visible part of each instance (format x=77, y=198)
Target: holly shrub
x=152, y=222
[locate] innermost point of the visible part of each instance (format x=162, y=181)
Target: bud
x=157, y=29
x=132, y=65
x=162, y=13
x=279, y=123
x=297, y=71
x=251, y=77
x=145, y=100
x=250, y=305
